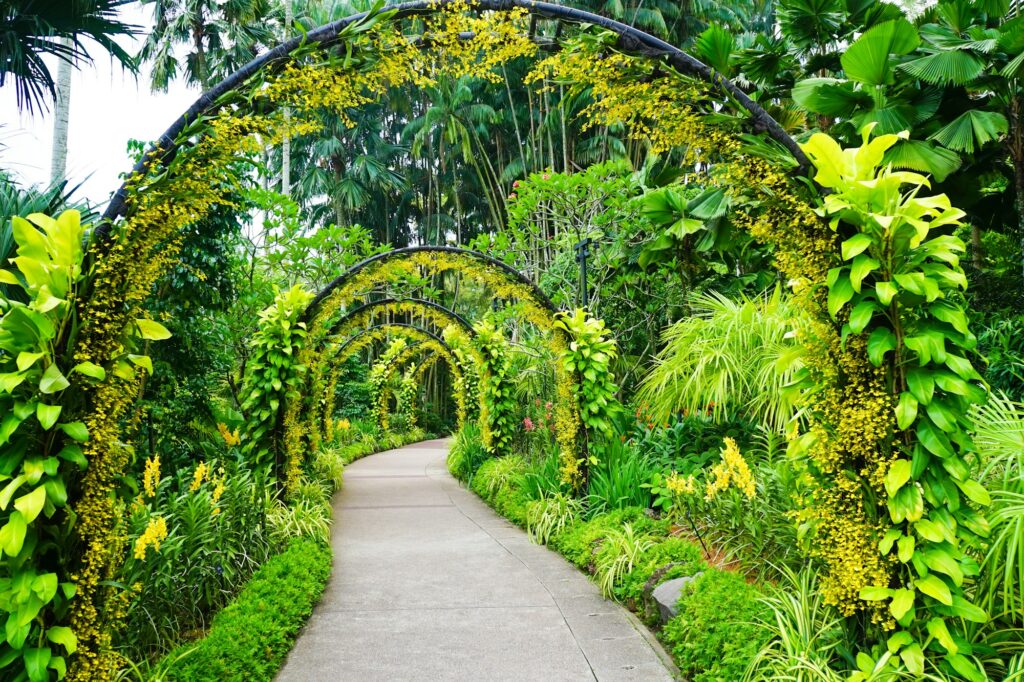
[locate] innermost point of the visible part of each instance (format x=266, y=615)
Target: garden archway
x=177, y=182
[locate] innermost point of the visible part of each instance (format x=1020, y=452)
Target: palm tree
x=221, y=36
x=30, y=29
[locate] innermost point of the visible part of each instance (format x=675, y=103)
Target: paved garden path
x=430, y=584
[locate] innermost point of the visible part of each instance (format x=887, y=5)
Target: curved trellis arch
x=503, y=281
x=431, y=345
x=324, y=363
x=179, y=180
x=380, y=332
x=630, y=40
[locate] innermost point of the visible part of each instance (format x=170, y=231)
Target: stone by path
x=430, y=584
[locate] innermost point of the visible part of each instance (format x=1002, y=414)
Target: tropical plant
x=731, y=357
x=551, y=515
x=589, y=357
x=30, y=30
x=619, y=554
x=897, y=290
x=273, y=375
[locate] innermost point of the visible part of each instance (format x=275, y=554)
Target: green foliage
x=467, y=452
x=619, y=554
x=579, y=542
x=731, y=357
x=496, y=474
x=548, y=516
x=250, y=639
x=589, y=357
x=42, y=456
x=617, y=478
x=497, y=402
x=301, y=517
x=216, y=538
x=377, y=379
x=273, y=374
x=900, y=287
x=673, y=557
x=716, y=634
x=804, y=636
x=407, y=392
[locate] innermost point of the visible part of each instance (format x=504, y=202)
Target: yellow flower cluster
x=201, y=474
x=151, y=476
x=344, y=425
x=680, y=485
x=231, y=438
x=155, y=533
x=731, y=471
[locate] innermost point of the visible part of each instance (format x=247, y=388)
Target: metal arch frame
x=402, y=325
x=456, y=318
x=630, y=40
x=504, y=267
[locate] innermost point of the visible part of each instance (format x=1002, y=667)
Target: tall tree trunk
x=61, y=111
x=286, y=142
x=1017, y=156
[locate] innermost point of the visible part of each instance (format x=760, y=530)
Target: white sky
x=109, y=106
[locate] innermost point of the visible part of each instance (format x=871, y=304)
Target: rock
x=666, y=595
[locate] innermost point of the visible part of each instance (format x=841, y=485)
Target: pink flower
x=548, y=405
x=528, y=424
x=515, y=184
x=512, y=196
x=546, y=176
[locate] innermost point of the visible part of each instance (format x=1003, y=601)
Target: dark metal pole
x=581, y=257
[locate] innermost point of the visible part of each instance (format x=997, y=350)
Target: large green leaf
x=970, y=129
x=946, y=67
x=715, y=46
x=919, y=155
x=829, y=96
x=867, y=60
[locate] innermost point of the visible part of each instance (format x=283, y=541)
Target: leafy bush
x=716, y=634
x=682, y=556
x=618, y=555
x=194, y=539
x=467, y=452
x=251, y=638
x=329, y=465
x=496, y=473
x=804, y=633
x=550, y=515
x=617, y=481
x=579, y=541
x=304, y=517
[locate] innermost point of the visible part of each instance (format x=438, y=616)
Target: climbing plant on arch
x=502, y=281
x=324, y=374
x=887, y=347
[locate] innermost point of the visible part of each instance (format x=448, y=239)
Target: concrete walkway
x=430, y=584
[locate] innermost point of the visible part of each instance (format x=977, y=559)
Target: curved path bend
x=430, y=584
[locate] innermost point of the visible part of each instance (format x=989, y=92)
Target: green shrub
x=716, y=636
x=548, y=516
x=512, y=500
x=683, y=553
x=304, y=517
x=250, y=638
x=467, y=453
x=577, y=542
x=494, y=474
